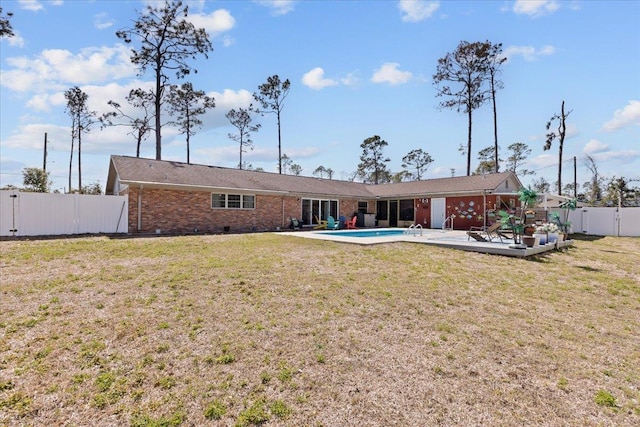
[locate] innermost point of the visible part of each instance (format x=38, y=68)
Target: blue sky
x=357, y=69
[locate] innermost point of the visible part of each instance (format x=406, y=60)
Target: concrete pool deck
x=455, y=239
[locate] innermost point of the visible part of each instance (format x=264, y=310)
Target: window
x=363, y=207
x=248, y=202
x=218, y=201
x=233, y=201
x=406, y=210
x=382, y=210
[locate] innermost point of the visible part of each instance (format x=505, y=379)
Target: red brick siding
x=172, y=211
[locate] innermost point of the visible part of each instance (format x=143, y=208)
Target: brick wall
x=172, y=211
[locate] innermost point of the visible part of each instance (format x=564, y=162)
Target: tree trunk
x=158, y=106
x=79, y=160
x=240, y=164
x=73, y=137
x=188, y=131
x=469, y=145
x=279, y=145
x=496, y=166
x=562, y=132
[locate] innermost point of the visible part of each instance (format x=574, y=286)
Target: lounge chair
x=321, y=223
x=485, y=234
x=332, y=224
x=352, y=222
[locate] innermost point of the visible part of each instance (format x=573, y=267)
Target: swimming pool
x=366, y=233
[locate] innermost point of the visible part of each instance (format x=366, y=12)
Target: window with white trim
x=233, y=201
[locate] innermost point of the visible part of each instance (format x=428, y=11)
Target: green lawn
x=242, y=330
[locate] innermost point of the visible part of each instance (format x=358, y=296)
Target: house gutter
x=140, y=208
x=165, y=185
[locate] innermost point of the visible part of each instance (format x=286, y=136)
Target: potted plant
x=547, y=232
x=568, y=205
x=528, y=197
x=516, y=224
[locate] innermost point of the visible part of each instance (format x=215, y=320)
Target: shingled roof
x=447, y=186
x=135, y=172
x=168, y=174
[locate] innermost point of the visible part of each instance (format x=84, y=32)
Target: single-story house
x=174, y=197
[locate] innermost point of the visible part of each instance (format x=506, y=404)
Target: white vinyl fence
x=44, y=214
x=604, y=221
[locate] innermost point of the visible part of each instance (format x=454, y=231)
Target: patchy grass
x=243, y=330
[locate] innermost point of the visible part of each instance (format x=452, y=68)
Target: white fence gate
x=604, y=221
x=44, y=214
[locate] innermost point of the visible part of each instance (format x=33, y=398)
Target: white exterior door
x=437, y=212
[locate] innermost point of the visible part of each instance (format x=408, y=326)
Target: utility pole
x=575, y=178
x=44, y=162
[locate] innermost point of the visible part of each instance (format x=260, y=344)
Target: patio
x=456, y=239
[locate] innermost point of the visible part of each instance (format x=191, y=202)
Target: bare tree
x=82, y=119
x=418, y=160
x=188, y=105
x=241, y=119
x=271, y=97
x=467, y=68
x=560, y=135
x=167, y=41
x=140, y=125
x=541, y=185
x=595, y=184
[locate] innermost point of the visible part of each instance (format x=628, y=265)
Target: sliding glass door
x=314, y=210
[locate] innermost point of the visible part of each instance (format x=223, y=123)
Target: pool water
x=367, y=233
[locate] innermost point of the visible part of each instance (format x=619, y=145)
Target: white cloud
x=417, y=10
x=389, y=73
x=36, y=5
x=102, y=21
x=350, y=79
x=278, y=7
x=624, y=157
x=59, y=67
x=529, y=53
x=216, y=22
x=33, y=5
x=228, y=41
x=595, y=146
x=16, y=40
x=535, y=8
x=315, y=79
x=628, y=116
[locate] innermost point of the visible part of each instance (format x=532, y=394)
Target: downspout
x=484, y=204
x=282, y=219
x=140, y=208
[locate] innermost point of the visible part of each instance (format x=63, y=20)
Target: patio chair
x=485, y=234
x=332, y=224
x=351, y=224
x=295, y=224
x=321, y=223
